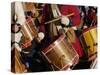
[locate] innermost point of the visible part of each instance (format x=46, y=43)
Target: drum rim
x=87, y=29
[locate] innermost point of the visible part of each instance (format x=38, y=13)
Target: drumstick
x=58, y=18
x=37, y=9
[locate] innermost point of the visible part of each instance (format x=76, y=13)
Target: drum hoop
x=87, y=29
x=93, y=54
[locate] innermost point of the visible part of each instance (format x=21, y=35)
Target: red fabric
x=78, y=48
x=91, y=15
x=68, y=9
x=44, y=15
x=75, y=19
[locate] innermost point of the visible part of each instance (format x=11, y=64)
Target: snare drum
x=61, y=54
x=29, y=32
x=89, y=42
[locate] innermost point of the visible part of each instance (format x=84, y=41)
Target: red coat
x=75, y=19
x=68, y=9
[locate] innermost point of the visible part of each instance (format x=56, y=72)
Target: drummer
x=30, y=50
x=74, y=22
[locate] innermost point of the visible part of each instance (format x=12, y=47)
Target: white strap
x=15, y=45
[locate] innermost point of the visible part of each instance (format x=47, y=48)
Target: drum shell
x=29, y=33
x=89, y=42
x=61, y=54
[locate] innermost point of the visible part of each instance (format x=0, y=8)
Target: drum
x=16, y=64
x=29, y=32
x=60, y=54
x=89, y=42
